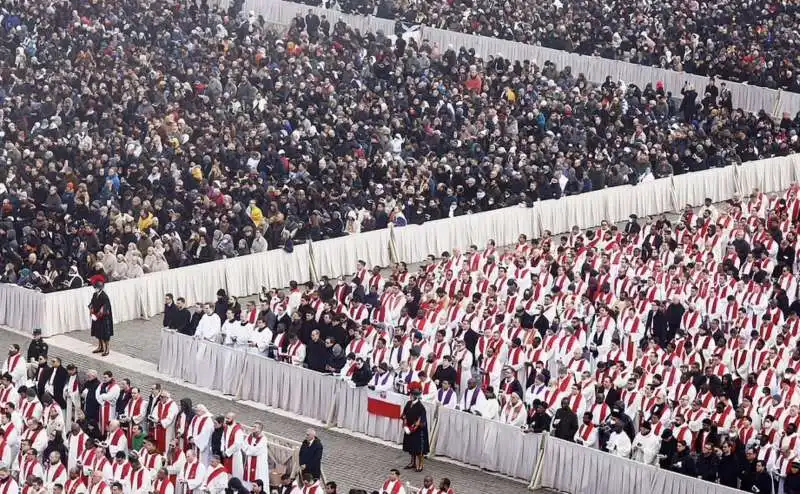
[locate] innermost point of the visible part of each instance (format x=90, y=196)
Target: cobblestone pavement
x=352, y=462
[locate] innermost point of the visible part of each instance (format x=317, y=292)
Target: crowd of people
x=194, y=134
x=750, y=42
x=672, y=342
x=63, y=431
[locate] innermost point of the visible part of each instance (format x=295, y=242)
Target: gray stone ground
x=350, y=461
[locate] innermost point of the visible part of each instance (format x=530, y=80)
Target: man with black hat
x=633, y=227
x=37, y=348
x=102, y=318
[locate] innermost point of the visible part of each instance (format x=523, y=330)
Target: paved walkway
x=351, y=461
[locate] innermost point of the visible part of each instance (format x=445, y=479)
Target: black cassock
x=416, y=419
x=100, y=307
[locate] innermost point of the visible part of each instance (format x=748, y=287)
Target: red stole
x=106, y=409
x=190, y=471
x=116, y=437
x=162, y=412
x=126, y=469
x=395, y=487
x=252, y=462
x=231, y=431
x=28, y=467
x=214, y=474
x=585, y=431
x=160, y=486
x=137, y=479
x=12, y=362
x=71, y=486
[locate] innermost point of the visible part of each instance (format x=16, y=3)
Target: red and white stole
x=190, y=470
x=160, y=486
x=123, y=468
x=12, y=362
x=252, y=461
x=215, y=473
x=28, y=467
x=56, y=472
x=116, y=437
x=134, y=407
x=137, y=479
x=391, y=487
x=585, y=431
x=71, y=486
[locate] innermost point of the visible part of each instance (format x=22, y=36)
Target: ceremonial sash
x=137, y=480
x=252, y=464
x=216, y=473
x=395, y=488
x=191, y=473
x=59, y=470
x=72, y=485
x=160, y=486
x=585, y=432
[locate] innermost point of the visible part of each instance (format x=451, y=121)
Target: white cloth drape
x=675, y=483
x=576, y=469
x=275, y=268
x=338, y=256
x=21, y=308
x=568, y=467
x=487, y=443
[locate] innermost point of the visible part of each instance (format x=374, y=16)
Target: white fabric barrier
x=487, y=444
x=203, y=363
x=21, y=308
x=769, y=175
x=415, y=242
x=287, y=387
x=250, y=376
x=275, y=268
x=470, y=439
x=675, y=483
x=568, y=467
x=692, y=188
x=338, y=256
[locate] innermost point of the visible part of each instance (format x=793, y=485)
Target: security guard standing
x=38, y=348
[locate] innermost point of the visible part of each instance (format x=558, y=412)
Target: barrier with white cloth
x=488, y=444
x=351, y=414
x=569, y=467
x=254, y=377
x=143, y=297
x=540, y=459
x=745, y=96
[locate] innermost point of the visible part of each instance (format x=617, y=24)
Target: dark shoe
x=97, y=350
